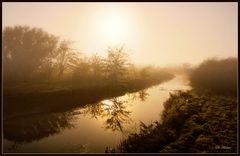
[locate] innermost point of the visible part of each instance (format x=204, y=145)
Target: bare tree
x=96, y=65
x=66, y=57
x=117, y=64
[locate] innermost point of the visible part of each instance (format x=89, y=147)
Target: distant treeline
x=31, y=55
x=203, y=120
x=216, y=75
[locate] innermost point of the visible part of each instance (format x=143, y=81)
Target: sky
x=152, y=33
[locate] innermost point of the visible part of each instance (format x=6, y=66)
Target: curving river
x=90, y=129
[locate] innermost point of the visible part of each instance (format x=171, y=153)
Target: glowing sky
x=153, y=33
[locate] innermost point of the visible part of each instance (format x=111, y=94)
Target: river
x=93, y=128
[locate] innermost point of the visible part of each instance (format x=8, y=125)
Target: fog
x=119, y=77
x=153, y=33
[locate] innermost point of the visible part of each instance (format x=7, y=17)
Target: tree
x=116, y=64
x=66, y=57
x=96, y=65
x=24, y=49
x=81, y=71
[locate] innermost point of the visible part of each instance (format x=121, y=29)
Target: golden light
x=107, y=103
x=112, y=25
x=114, y=28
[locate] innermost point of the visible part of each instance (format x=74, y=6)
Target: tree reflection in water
x=95, y=110
x=35, y=127
x=143, y=95
x=116, y=113
x=114, y=110
x=30, y=128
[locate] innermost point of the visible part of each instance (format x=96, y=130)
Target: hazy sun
x=113, y=25
x=114, y=28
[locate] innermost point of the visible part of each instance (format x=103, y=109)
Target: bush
x=191, y=123
x=219, y=76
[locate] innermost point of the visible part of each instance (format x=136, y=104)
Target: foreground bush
x=190, y=124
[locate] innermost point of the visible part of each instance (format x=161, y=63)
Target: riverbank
x=190, y=123
x=32, y=132
x=21, y=102
x=202, y=120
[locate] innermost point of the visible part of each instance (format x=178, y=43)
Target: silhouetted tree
x=81, y=70
x=96, y=65
x=66, y=57
x=48, y=66
x=24, y=49
x=116, y=64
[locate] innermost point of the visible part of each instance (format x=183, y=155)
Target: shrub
x=219, y=76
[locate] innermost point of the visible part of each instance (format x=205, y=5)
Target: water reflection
x=95, y=110
x=143, y=95
x=114, y=110
x=116, y=114
x=28, y=128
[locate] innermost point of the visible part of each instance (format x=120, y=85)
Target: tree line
x=33, y=54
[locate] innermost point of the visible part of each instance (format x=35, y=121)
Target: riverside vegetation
x=42, y=73
x=202, y=120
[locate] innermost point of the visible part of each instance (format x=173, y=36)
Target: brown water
x=93, y=128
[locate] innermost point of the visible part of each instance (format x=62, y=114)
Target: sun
x=114, y=28
x=113, y=24
x=110, y=26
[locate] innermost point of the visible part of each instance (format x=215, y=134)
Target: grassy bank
x=203, y=120
x=46, y=97
x=191, y=123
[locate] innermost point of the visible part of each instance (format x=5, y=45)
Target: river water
x=93, y=128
